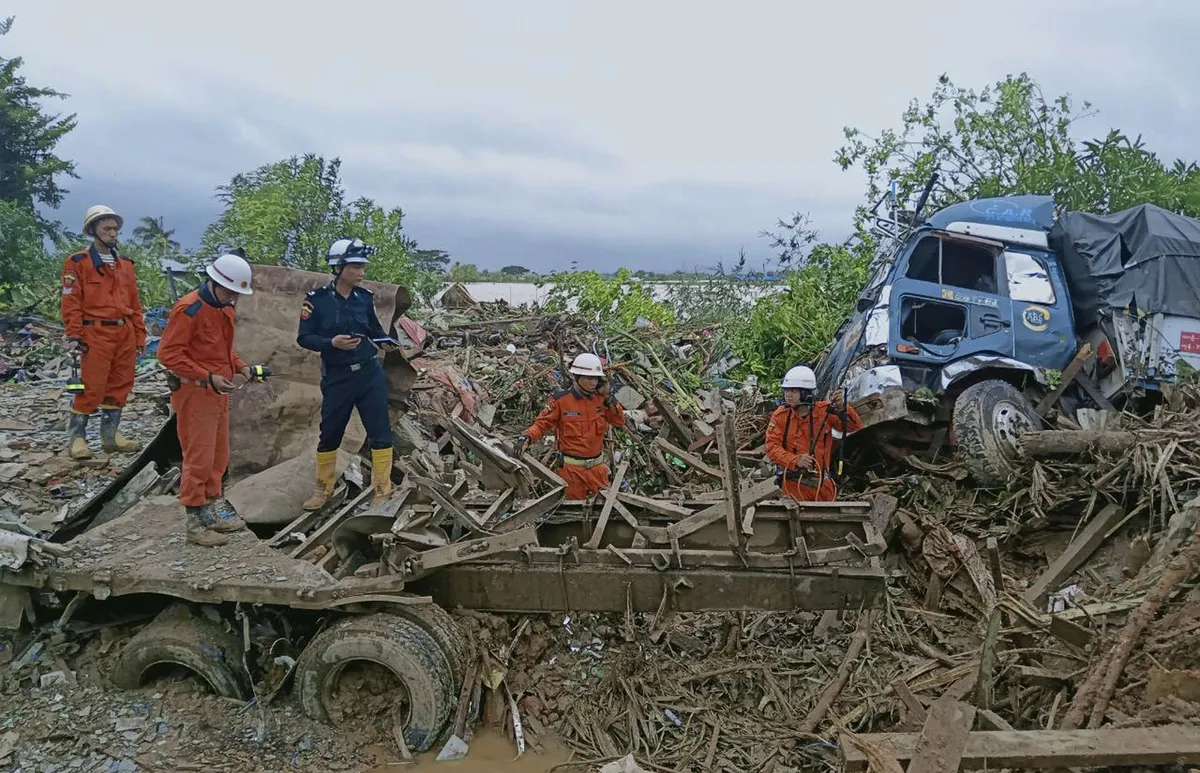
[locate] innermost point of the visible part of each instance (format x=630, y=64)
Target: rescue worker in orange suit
x=104, y=323
x=801, y=433
x=580, y=418
x=197, y=349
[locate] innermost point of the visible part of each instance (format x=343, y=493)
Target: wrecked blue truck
x=972, y=315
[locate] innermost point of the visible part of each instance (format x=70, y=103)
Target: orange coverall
x=101, y=309
x=197, y=342
x=790, y=436
x=580, y=423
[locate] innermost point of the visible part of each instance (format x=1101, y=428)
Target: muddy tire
x=399, y=645
x=178, y=638
x=441, y=625
x=988, y=419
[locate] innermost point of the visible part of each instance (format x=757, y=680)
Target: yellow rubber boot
x=381, y=473
x=77, y=433
x=326, y=477
x=111, y=439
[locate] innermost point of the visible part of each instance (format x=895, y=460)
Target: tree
x=29, y=172
x=464, y=272
x=28, y=137
x=285, y=213
x=1008, y=139
x=431, y=261
x=155, y=237
x=514, y=271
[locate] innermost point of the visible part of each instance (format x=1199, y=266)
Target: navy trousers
x=344, y=389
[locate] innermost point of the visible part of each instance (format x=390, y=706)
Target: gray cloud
x=645, y=134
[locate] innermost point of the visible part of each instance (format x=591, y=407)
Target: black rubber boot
x=111, y=440
x=77, y=447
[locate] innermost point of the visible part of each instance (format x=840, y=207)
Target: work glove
x=519, y=445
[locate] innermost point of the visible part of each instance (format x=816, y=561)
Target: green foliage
x=798, y=324
x=620, y=299
x=514, y=271
x=152, y=234
x=464, y=272
x=28, y=136
x=1007, y=139
x=289, y=212
x=24, y=264
x=285, y=213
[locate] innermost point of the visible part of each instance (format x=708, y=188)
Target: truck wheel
x=441, y=625
x=398, y=645
x=988, y=419
x=177, y=638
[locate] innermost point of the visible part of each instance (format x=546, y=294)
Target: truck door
x=947, y=301
x=1044, y=329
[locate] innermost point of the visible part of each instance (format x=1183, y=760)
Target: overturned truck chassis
x=390, y=571
x=492, y=551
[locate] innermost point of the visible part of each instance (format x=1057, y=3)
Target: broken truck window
x=1028, y=279
x=931, y=322
x=955, y=263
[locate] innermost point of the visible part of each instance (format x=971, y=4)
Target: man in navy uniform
x=339, y=321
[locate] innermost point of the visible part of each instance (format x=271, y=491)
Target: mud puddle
x=490, y=752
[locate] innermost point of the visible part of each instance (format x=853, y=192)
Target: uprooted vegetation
x=1063, y=601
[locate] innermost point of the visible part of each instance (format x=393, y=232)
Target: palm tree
x=154, y=236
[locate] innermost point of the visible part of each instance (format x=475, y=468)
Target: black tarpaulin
x=1144, y=258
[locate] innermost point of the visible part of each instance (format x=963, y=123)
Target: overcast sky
x=647, y=134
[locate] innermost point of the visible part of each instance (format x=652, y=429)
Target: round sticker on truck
x=1036, y=318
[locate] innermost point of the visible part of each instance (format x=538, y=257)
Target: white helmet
x=345, y=251
x=99, y=212
x=587, y=364
x=800, y=377
x=231, y=272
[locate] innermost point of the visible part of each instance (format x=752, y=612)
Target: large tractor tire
x=989, y=417
x=441, y=625
x=178, y=638
x=397, y=644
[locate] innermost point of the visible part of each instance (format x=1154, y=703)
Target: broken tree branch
x=834, y=688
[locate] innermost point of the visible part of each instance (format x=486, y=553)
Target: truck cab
x=969, y=318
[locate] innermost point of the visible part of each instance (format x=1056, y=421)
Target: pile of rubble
x=1065, y=602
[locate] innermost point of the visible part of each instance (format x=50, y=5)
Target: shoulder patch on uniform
x=193, y=308
x=69, y=278
x=306, y=309
x=79, y=257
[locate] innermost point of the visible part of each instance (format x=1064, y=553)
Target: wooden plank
x=1069, y=632
x=531, y=512
x=1084, y=544
x=916, y=712
x=541, y=470
x=698, y=521
x=673, y=419
x=1048, y=749
x=449, y=504
x=1068, y=375
x=319, y=536
x=943, y=739
x=730, y=480
x=610, y=498
x=690, y=460
x=657, y=506
x=498, y=505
